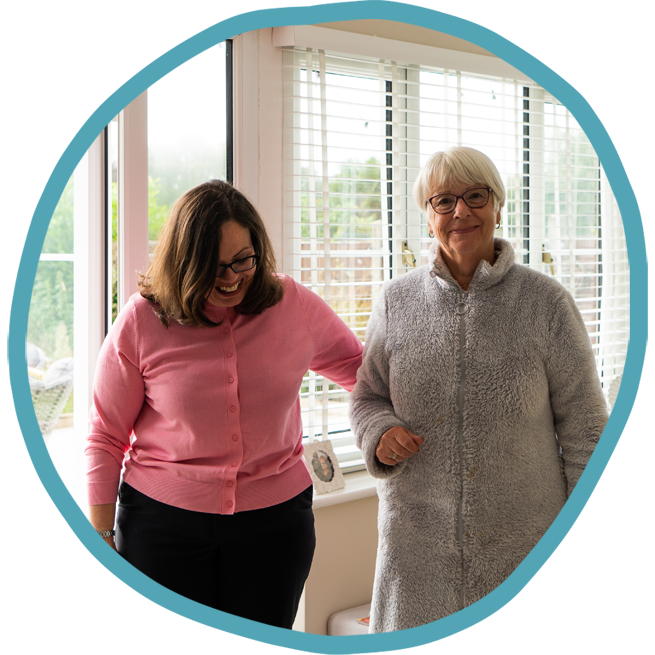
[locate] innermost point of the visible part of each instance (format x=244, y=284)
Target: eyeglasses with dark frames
x=476, y=198
x=240, y=265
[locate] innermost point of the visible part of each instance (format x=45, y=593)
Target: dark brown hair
x=183, y=270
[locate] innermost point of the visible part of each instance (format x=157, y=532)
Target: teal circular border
x=594, y=567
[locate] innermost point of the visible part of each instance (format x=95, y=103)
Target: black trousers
x=252, y=564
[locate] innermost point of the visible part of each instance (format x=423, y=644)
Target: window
x=173, y=137
x=50, y=324
x=103, y=217
x=185, y=153
x=357, y=131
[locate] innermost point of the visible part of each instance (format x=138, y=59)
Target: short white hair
x=454, y=166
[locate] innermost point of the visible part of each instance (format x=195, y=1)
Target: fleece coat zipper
x=461, y=309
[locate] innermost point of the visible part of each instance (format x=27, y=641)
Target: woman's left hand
x=396, y=445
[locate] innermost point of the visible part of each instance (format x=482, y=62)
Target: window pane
x=186, y=131
x=112, y=214
x=59, y=238
x=49, y=348
x=50, y=323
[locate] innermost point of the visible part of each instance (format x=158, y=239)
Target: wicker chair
x=50, y=389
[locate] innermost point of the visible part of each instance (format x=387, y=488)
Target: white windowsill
x=358, y=485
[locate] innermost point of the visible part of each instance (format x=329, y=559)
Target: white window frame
x=88, y=278
x=90, y=244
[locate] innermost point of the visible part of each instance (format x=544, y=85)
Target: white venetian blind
x=357, y=130
x=582, y=231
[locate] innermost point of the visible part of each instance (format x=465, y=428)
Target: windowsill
x=358, y=485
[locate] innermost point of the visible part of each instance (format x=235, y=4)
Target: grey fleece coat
x=501, y=383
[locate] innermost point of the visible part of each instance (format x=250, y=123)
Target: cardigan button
x=235, y=437
x=230, y=379
x=230, y=483
x=233, y=409
x=461, y=308
x=230, y=503
x=230, y=354
x=235, y=464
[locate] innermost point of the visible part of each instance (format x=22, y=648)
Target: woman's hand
x=399, y=442
x=102, y=518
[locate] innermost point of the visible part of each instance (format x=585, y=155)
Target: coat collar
x=485, y=275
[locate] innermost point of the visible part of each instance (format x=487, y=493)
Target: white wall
x=344, y=562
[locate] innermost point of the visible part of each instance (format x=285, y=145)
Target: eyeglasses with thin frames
x=476, y=198
x=240, y=265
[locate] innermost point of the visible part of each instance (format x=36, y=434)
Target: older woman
x=196, y=397
x=477, y=405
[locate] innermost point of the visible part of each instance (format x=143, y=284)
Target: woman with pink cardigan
x=196, y=404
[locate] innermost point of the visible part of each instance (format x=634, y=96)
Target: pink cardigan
x=208, y=419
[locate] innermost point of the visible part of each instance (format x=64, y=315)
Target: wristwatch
x=106, y=533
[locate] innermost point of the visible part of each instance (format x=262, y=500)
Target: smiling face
x=466, y=235
x=231, y=288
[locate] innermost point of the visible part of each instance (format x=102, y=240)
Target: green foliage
x=354, y=202
x=59, y=238
x=356, y=216
x=157, y=212
x=114, y=250
x=50, y=322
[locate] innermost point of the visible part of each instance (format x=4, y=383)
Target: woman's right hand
x=102, y=517
x=399, y=441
